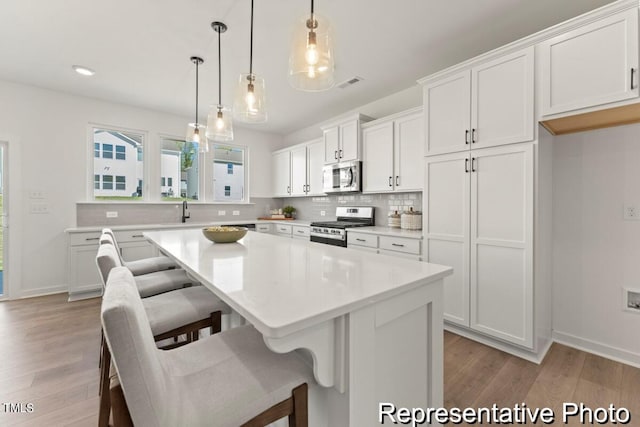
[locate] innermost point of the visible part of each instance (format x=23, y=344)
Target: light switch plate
x=222, y=213
x=236, y=213
x=112, y=214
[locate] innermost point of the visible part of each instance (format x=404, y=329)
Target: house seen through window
x=179, y=170
x=229, y=173
x=118, y=166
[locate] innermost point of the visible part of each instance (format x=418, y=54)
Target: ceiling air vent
x=350, y=82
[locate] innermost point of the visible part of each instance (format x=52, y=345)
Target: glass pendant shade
x=311, y=62
x=196, y=135
x=249, y=105
x=219, y=124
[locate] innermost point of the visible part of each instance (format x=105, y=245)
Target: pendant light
x=311, y=65
x=219, y=124
x=249, y=105
x=195, y=130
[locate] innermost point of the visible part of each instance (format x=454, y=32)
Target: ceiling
x=140, y=49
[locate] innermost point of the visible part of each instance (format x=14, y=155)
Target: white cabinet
x=297, y=171
x=281, y=164
x=263, y=228
x=291, y=230
x=491, y=104
x=404, y=247
x=283, y=229
x=82, y=273
x=300, y=231
x=342, y=139
x=592, y=65
x=479, y=220
x=392, y=153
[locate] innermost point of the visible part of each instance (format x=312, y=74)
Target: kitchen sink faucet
x=184, y=211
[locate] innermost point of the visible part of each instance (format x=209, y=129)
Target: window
x=117, y=164
x=107, y=151
x=180, y=170
x=229, y=173
x=121, y=152
x=121, y=183
x=107, y=182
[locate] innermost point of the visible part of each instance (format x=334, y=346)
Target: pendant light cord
x=251, y=44
x=219, y=72
x=311, y=7
x=197, y=78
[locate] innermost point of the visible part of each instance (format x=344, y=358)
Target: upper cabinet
x=392, y=153
x=592, y=65
x=488, y=105
x=297, y=171
x=342, y=139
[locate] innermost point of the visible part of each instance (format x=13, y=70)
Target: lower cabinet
x=403, y=247
x=82, y=273
x=291, y=230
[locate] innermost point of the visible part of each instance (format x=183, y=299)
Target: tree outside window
x=180, y=170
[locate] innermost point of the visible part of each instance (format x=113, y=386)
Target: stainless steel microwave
x=342, y=177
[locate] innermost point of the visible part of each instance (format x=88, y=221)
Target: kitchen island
x=372, y=324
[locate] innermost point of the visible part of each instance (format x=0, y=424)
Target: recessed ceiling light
x=83, y=70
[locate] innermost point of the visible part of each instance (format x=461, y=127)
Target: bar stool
x=148, y=284
x=181, y=312
x=228, y=379
x=141, y=266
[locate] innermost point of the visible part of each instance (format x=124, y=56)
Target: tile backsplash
x=307, y=208
x=310, y=208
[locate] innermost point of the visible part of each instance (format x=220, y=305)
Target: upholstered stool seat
x=228, y=379
x=141, y=266
x=148, y=284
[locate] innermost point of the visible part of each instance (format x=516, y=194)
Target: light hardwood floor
x=49, y=357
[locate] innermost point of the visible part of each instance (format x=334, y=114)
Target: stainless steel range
x=334, y=232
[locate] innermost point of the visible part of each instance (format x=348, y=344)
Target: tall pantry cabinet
x=480, y=199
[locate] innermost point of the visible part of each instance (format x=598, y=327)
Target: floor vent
x=350, y=82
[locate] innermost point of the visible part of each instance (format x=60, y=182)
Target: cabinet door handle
x=473, y=164
x=390, y=181
x=340, y=153
x=466, y=165
x=335, y=154
x=473, y=136
x=397, y=180
x=398, y=245
x=633, y=73
x=466, y=136
x=288, y=189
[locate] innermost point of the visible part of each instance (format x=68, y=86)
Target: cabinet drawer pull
x=88, y=239
x=473, y=136
x=398, y=245
x=300, y=231
x=361, y=240
x=466, y=136
x=633, y=72
x=137, y=236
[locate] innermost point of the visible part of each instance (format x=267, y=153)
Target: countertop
x=387, y=231
x=179, y=225
x=286, y=285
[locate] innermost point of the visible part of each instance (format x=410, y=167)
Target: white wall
x=48, y=149
x=596, y=252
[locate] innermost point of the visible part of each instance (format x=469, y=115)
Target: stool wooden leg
x=105, y=401
x=300, y=415
x=121, y=416
x=216, y=322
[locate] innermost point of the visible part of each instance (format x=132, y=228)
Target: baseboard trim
x=529, y=355
x=43, y=291
x=606, y=351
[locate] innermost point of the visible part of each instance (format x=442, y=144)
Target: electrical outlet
x=112, y=214
x=222, y=213
x=323, y=213
x=39, y=208
x=236, y=213
x=631, y=213
x=36, y=194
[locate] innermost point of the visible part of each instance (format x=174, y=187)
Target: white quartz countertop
x=387, y=231
x=285, y=285
x=179, y=225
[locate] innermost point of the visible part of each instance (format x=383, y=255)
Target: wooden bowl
x=224, y=234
